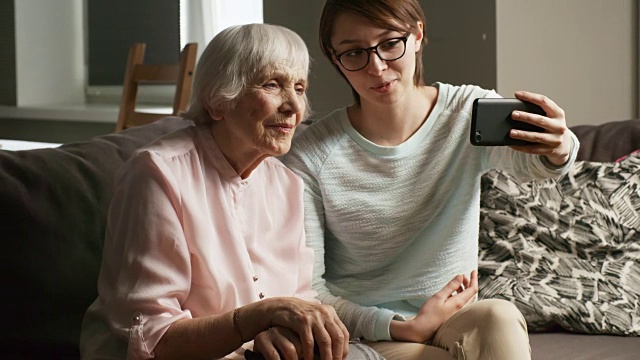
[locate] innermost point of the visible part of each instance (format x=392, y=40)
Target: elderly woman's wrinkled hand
x=314, y=324
x=278, y=343
x=555, y=142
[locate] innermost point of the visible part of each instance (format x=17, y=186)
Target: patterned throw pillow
x=566, y=251
x=626, y=156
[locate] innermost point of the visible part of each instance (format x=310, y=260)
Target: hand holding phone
x=491, y=121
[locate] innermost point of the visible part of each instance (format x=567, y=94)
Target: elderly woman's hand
x=278, y=343
x=555, y=142
x=313, y=324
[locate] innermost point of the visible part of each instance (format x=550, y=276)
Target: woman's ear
x=335, y=61
x=419, y=35
x=215, y=111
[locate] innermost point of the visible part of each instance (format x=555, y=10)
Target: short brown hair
x=382, y=13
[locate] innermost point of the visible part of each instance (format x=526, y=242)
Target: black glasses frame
x=373, y=49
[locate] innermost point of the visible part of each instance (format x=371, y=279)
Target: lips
x=284, y=128
x=283, y=125
x=383, y=86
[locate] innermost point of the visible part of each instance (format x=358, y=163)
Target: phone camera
x=478, y=136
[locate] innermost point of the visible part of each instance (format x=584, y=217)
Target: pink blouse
x=187, y=237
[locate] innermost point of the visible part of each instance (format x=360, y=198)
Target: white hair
x=239, y=56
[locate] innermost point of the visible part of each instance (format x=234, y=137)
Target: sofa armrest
x=53, y=209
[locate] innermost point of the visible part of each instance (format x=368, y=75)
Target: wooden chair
x=137, y=73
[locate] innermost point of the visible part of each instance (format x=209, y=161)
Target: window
x=113, y=25
x=164, y=25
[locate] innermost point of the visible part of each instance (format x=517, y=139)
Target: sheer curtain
x=201, y=20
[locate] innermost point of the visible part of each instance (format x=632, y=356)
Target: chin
x=280, y=150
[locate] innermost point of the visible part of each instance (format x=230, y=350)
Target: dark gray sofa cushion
x=53, y=211
x=564, y=346
x=609, y=141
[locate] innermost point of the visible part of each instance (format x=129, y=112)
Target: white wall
x=327, y=90
x=580, y=53
x=49, y=52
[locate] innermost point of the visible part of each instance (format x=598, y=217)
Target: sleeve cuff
x=381, y=331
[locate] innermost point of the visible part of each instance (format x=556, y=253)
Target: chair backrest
x=137, y=73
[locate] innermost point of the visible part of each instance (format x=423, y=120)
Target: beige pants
x=488, y=329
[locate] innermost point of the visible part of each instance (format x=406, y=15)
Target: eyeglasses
x=388, y=50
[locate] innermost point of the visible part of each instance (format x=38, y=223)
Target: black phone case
x=491, y=121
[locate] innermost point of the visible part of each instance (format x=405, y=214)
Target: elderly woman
x=205, y=247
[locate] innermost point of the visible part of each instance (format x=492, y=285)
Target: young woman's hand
x=460, y=291
x=314, y=325
x=555, y=142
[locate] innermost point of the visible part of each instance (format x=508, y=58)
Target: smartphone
x=491, y=121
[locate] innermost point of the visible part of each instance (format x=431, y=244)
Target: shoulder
x=324, y=130
x=280, y=175
x=459, y=98
x=316, y=141
x=158, y=156
x=173, y=144
x=277, y=168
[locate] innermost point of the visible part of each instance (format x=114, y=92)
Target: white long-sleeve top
x=391, y=225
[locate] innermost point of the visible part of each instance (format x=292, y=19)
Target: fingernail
x=516, y=113
x=514, y=133
x=519, y=93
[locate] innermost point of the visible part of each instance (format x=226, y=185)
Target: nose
x=292, y=103
x=376, y=65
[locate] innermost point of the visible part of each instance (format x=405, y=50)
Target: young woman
x=392, y=188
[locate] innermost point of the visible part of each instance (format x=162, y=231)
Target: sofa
x=53, y=207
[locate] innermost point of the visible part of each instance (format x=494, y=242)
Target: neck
x=242, y=160
x=393, y=124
